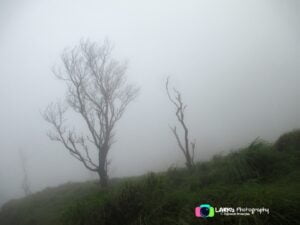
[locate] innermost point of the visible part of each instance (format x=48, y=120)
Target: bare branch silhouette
x=25, y=182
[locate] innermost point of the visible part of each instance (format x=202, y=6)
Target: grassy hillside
x=260, y=175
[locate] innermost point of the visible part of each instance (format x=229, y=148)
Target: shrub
x=288, y=141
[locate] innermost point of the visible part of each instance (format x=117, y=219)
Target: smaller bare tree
x=25, y=182
x=187, y=147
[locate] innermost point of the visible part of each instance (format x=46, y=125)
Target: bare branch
x=25, y=182
x=193, y=145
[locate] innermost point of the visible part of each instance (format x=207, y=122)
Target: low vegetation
x=260, y=175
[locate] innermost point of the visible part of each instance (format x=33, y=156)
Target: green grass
x=260, y=175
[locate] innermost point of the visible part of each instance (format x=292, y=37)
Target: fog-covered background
x=236, y=62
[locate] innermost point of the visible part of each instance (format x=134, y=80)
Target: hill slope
x=261, y=175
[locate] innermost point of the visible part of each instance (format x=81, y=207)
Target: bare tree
x=98, y=91
x=25, y=182
x=187, y=148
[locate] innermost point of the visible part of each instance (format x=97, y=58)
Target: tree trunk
x=103, y=177
x=103, y=168
x=189, y=161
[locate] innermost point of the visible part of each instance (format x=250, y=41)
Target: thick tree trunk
x=103, y=178
x=103, y=167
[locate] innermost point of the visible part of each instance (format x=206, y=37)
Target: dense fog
x=237, y=64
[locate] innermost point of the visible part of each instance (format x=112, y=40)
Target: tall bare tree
x=187, y=147
x=98, y=91
x=25, y=182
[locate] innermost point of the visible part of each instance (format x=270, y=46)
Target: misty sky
x=236, y=62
